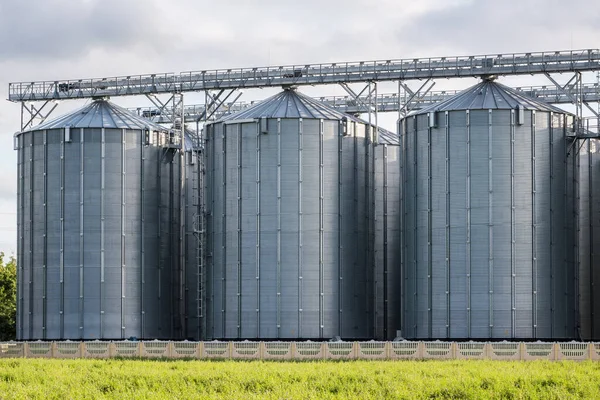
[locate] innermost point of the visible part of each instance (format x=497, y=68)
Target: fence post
x=230, y=348
x=324, y=349
x=261, y=350
x=521, y=351
x=200, y=350
x=25, y=349
x=293, y=350
x=421, y=351
x=82, y=349
x=53, y=349
x=112, y=349
x=555, y=350
x=591, y=350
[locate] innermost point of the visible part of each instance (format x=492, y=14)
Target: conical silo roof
x=289, y=104
x=489, y=95
x=100, y=114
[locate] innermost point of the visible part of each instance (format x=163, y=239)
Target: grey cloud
x=505, y=26
x=47, y=29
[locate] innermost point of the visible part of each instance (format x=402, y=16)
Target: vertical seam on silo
x=372, y=217
x=429, y=237
x=468, y=204
x=123, y=199
x=551, y=192
x=402, y=176
x=81, y=227
x=356, y=223
x=591, y=236
x=300, y=294
x=490, y=224
x=447, y=117
x=224, y=232
x=239, y=229
x=183, y=212
x=513, y=233
x=21, y=244
x=159, y=234
x=31, y=234
x=278, y=227
x=385, y=242
x=415, y=228
x=45, y=259
x=102, y=194
x=258, y=242
x=213, y=189
x=321, y=228
x=533, y=227
x=62, y=234
x=171, y=246
x=142, y=232
x=340, y=223
x=367, y=222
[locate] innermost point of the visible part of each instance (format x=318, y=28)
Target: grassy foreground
x=131, y=379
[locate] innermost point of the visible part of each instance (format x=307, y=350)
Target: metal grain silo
x=288, y=222
x=488, y=228
x=589, y=237
x=387, y=245
x=98, y=230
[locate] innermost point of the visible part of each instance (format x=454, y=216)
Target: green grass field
x=141, y=379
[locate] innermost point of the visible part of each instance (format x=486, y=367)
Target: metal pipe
x=45, y=255
x=62, y=234
x=321, y=233
x=81, y=231
x=278, y=227
x=491, y=223
x=513, y=229
x=258, y=226
x=143, y=236
x=447, y=167
x=123, y=200
x=534, y=225
x=239, y=228
x=468, y=243
x=102, y=239
x=300, y=269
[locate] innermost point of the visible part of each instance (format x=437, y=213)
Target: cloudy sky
x=71, y=39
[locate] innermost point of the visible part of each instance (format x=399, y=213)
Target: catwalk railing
x=311, y=74
x=386, y=102
x=305, y=350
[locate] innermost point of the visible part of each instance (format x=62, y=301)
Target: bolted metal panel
x=485, y=232
x=81, y=235
x=286, y=211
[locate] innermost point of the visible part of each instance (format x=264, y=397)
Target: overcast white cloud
x=62, y=39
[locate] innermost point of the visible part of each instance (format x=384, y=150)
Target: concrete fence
x=305, y=350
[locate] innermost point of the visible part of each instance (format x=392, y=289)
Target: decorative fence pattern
x=305, y=350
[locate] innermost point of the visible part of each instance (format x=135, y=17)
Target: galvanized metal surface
x=96, y=226
x=387, y=244
x=589, y=237
x=287, y=224
x=489, y=95
x=311, y=74
x=488, y=233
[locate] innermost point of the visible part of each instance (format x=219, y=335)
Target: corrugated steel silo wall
x=287, y=221
x=192, y=252
x=488, y=235
x=589, y=238
x=88, y=230
x=387, y=244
